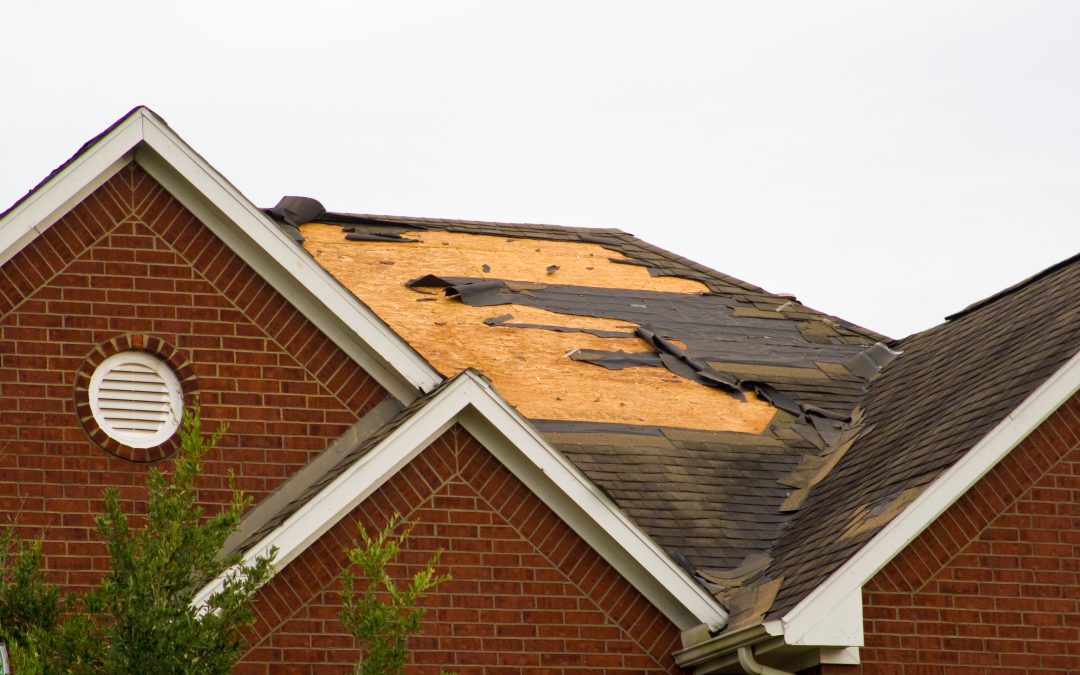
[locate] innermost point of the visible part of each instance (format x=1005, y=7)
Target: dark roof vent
x=292, y=212
x=869, y=362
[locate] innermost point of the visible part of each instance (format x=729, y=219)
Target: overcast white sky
x=888, y=162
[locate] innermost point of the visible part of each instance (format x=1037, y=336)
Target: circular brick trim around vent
x=146, y=351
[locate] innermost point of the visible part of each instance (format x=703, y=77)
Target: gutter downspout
x=725, y=643
x=751, y=666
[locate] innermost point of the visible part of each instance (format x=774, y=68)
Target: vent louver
x=136, y=399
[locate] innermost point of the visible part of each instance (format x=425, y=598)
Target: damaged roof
x=760, y=442
x=694, y=400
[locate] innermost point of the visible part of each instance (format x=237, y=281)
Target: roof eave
x=469, y=400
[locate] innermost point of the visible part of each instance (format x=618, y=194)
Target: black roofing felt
x=661, y=262
x=723, y=349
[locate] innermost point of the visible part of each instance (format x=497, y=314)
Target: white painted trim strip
x=50, y=201
x=471, y=401
x=814, y=614
x=380, y=340
x=144, y=136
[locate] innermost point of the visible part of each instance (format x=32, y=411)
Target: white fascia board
x=354, y=485
x=294, y=273
x=144, y=137
x=86, y=173
x=819, y=618
x=470, y=400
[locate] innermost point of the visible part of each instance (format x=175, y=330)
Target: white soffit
x=819, y=618
x=145, y=138
x=470, y=401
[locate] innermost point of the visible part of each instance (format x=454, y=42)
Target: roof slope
x=681, y=392
x=370, y=459
x=354, y=450
x=762, y=503
x=952, y=385
x=709, y=496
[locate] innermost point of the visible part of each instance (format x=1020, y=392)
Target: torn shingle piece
x=616, y=360
x=503, y=320
x=373, y=236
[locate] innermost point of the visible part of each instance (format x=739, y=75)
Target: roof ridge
x=735, y=281
x=975, y=306
x=589, y=234
x=336, y=217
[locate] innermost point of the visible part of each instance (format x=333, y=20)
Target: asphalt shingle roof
x=951, y=386
x=780, y=508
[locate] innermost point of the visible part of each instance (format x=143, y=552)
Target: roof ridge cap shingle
x=336, y=216
x=975, y=306
x=616, y=233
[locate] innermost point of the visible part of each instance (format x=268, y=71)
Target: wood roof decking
x=528, y=366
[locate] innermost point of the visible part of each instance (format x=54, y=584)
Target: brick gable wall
x=131, y=259
x=527, y=595
x=992, y=586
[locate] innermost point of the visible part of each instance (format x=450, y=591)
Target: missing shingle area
x=698, y=337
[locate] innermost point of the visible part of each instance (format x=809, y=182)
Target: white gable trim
x=144, y=137
x=819, y=619
x=470, y=401
x=61, y=193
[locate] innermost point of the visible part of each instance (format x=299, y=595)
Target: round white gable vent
x=136, y=399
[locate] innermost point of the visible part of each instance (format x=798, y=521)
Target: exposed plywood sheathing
x=459, y=254
x=528, y=366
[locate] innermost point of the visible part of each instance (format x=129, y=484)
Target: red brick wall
x=993, y=586
x=527, y=596
x=131, y=259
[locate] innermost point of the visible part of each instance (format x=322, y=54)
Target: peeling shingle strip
x=665, y=263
